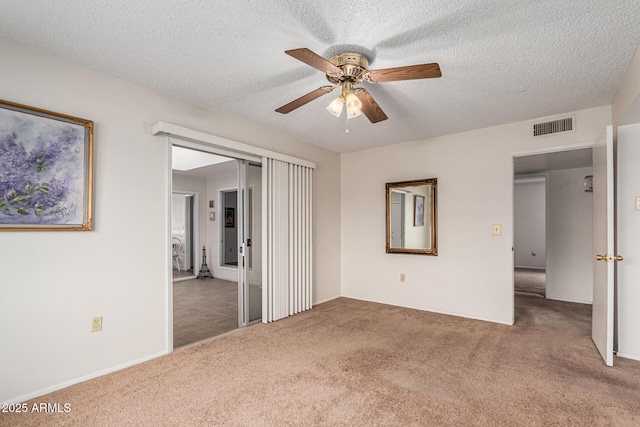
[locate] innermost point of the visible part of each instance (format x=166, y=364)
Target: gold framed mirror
x=412, y=217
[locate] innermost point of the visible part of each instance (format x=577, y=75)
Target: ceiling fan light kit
x=336, y=106
x=348, y=69
x=354, y=106
x=348, y=98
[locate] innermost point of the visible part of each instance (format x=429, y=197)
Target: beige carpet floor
x=354, y=363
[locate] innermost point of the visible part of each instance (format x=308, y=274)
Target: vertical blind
x=288, y=270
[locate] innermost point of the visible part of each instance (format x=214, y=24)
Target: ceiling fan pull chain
x=347, y=131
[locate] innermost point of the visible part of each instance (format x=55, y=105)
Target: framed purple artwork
x=46, y=170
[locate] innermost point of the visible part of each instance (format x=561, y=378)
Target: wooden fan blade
x=370, y=108
x=315, y=60
x=304, y=99
x=411, y=72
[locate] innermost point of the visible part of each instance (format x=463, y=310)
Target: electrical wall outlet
x=496, y=229
x=402, y=278
x=96, y=324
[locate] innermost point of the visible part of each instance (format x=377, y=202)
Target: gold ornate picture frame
x=412, y=217
x=46, y=170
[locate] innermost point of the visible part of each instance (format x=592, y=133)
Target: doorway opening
x=530, y=234
x=184, y=208
x=216, y=232
x=553, y=230
x=397, y=214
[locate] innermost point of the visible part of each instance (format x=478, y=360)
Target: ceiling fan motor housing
x=353, y=66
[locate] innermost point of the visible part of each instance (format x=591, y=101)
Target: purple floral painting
x=44, y=169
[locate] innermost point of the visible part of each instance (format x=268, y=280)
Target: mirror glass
x=411, y=217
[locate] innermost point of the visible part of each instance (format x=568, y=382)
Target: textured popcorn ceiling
x=502, y=61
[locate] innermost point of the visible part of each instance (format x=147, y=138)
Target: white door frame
x=200, y=147
x=241, y=220
x=196, y=230
x=627, y=334
x=221, y=250
x=245, y=218
x=214, y=144
x=602, y=318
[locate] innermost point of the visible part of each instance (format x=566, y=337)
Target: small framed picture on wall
x=229, y=218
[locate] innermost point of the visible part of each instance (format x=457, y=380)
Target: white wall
x=417, y=236
x=52, y=284
x=177, y=214
x=473, y=272
x=628, y=221
x=209, y=189
x=530, y=211
x=570, y=227
x=626, y=103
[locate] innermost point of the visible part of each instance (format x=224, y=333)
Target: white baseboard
x=530, y=268
x=326, y=300
x=551, y=297
x=628, y=356
x=484, y=319
x=182, y=279
x=60, y=386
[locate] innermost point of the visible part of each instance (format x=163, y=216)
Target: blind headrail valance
x=169, y=129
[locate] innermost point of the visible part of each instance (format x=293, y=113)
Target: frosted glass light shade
x=354, y=106
x=335, y=107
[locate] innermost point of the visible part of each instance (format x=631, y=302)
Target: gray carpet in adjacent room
x=203, y=309
x=355, y=363
x=530, y=280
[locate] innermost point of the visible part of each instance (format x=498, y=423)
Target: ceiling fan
x=345, y=70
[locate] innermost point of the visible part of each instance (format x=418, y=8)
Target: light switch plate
x=496, y=229
x=638, y=203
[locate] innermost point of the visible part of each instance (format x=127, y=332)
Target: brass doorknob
x=609, y=258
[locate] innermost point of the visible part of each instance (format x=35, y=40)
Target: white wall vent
x=554, y=126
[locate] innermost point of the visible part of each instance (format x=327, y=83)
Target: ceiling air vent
x=555, y=126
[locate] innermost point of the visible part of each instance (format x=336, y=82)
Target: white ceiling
x=538, y=163
x=502, y=60
x=185, y=159
x=226, y=169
